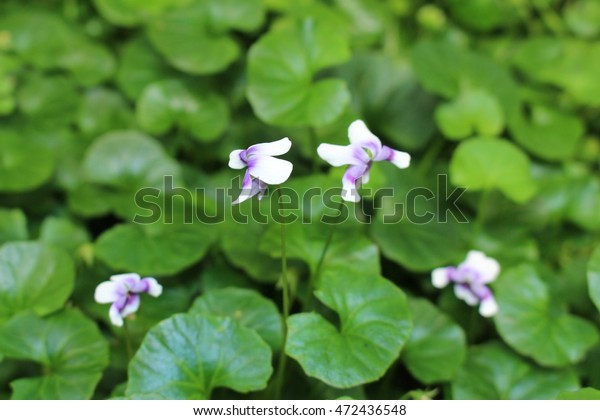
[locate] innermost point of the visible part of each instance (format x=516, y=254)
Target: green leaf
x=103, y=110
x=195, y=38
x=70, y=348
x=550, y=134
x=139, y=65
x=437, y=346
x=133, y=12
x=157, y=249
x=580, y=394
x=473, y=112
x=33, y=277
x=48, y=101
x=281, y=68
x=246, y=306
x=535, y=325
x=374, y=325
x=13, y=225
x=593, y=277
x=188, y=356
x=567, y=63
x=169, y=103
x=485, y=15
x=582, y=18
x=64, y=234
x=584, y=200
x=485, y=164
x=493, y=372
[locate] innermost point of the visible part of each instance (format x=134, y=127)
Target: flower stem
x=286, y=307
x=128, y=346
x=314, y=278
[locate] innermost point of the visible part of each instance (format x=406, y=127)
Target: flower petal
x=124, y=278
x=488, y=268
x=274, y=148
x=107, y=292
x=235, y=160
x=250, y=187
x=154, y=288
x=440, y=278
x=115, y=315
x=270, y=170
x=464, y=293
x=337, y=155
x=488, y=307
x=349, y=182
x=360, y=135
x=131, y=306
x=400, y=159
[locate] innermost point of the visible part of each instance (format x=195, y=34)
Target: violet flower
x=263, y=168
x=364, y=149
x=470, y=280
x=123, y=291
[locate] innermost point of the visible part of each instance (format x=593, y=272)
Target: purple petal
x=400, y=159
x=349, y=182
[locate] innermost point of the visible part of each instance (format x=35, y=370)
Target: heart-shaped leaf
x=103, y=110
x=374, y=325
x=532, y=323
x=63, y=233
x=593, y=277
x=195, y=38
x=472, y=112
x=281, y=68
x=246, y=306
x=493, y=372
x=160, y=249
x=169, y=103
x=581, y=394
x=486, y=163
x=437, y=346
x=33, y=277
x=188, y=356
x=70, y=348
x=133, y=12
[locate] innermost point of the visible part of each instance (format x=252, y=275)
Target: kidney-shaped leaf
x=437, y=345
x=160, y=249
x=33, y=277
x=281, y=67
x=486, y=163
x=167, y=103
x=375, y=323
x=580, y=394
x=246, y=306
x=68, y=345
x=188, y=356
x=493, y=372
x=532, y=323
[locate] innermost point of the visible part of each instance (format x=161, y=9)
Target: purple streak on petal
x=249, y=188
x=386, y=153
x=349, y=182
x=262, y=189
x=131, y=306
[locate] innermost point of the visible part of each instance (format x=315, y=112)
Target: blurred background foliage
x=101, y=98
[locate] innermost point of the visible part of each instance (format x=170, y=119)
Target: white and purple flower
x=470, y=280
x=364, y=149
x=263, y=168
x=123, y=291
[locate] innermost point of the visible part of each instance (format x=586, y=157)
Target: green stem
x=128, y=346
x=314, y=278
x=286, y=307
x=314, y=144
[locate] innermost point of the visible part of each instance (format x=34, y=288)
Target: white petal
x=274, y=148
x=270, y=170
x=132, y=305
x=400, y=159
x=488, y=307
x=122, y=278
x=106, y=292
x=350, y=182
x=235, y=162
x=360, y=135
x=337, y=155
x=439, y=277
x=115, y=316
x=488, y=268
x=154, y=287
x=463, y=293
